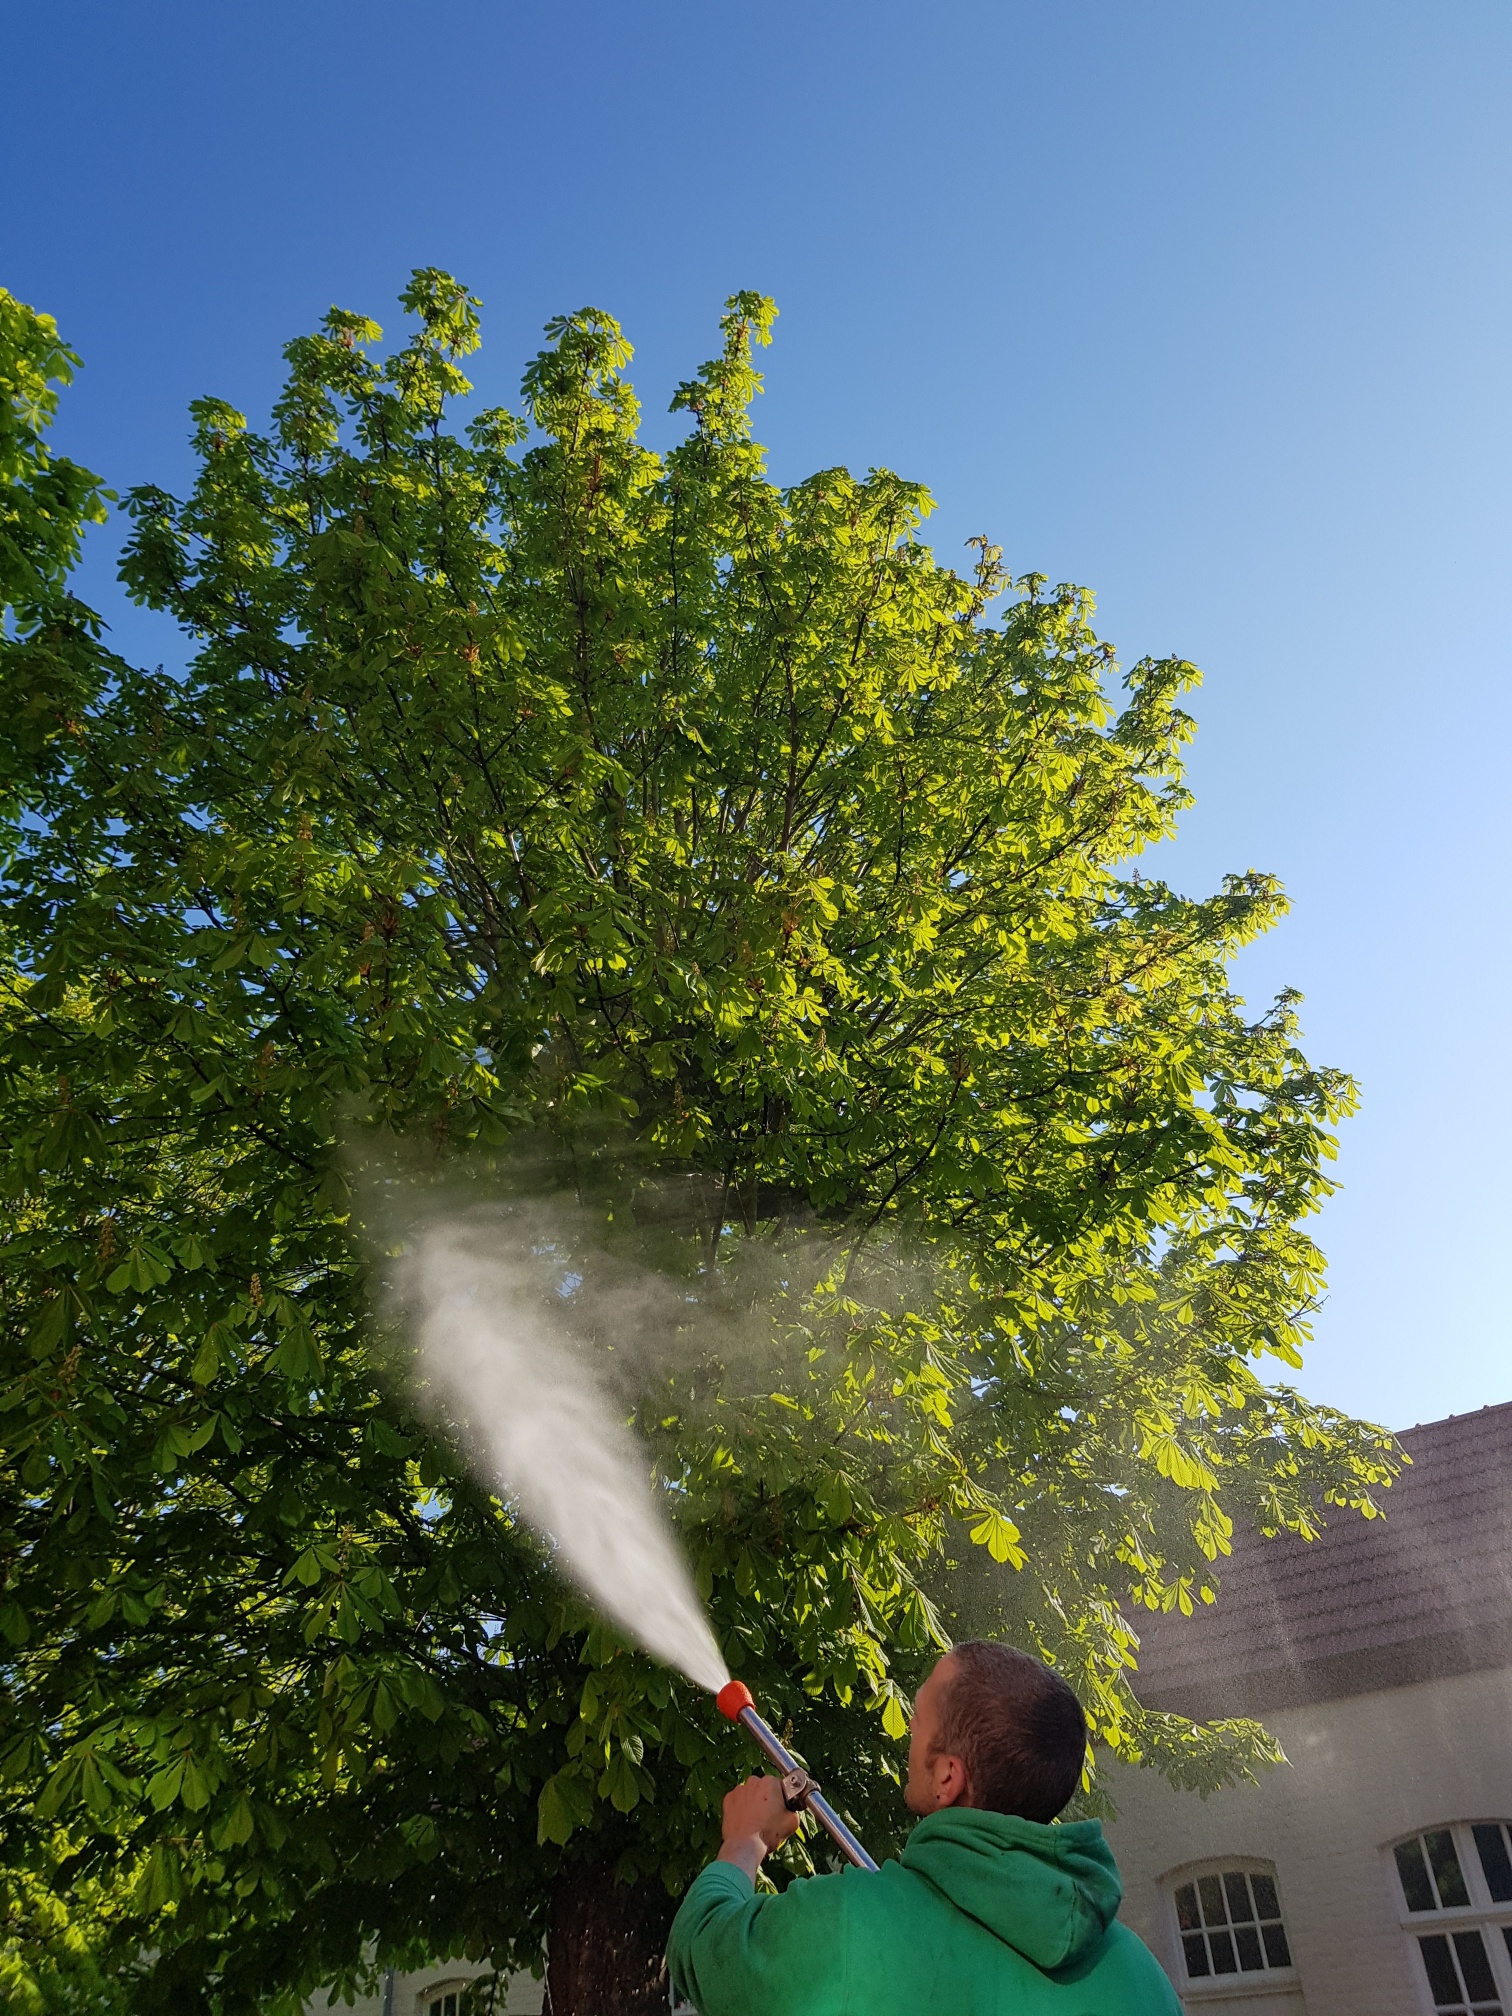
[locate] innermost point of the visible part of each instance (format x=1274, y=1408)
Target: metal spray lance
x=800, y=1793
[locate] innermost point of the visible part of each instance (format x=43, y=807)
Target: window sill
x=1453, y=1917
x=1227, y=1987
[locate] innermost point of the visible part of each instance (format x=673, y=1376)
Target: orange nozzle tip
x=732, y=1697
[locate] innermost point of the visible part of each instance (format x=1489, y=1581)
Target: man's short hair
x=1016, y=1726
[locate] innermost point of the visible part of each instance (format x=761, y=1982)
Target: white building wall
x=413, y=1992
x=1362, y=1772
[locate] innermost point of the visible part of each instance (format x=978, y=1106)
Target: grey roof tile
x=1426, y=1588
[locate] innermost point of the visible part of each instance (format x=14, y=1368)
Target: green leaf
x=196, y=1785
x=618, y=1784
x=234, y=1828
x=894, y=1717
x=1177, y=1463
x=296, y=1355
x=192, y=1251
x=207, y=1361
x=563, y=1806
x=1000, y=1537
x=423, y=1836
x=145, y=1267
x=161, y=1882
x=164, y=1787
x=54, y=1327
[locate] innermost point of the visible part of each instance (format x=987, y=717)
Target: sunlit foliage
x=523, y=784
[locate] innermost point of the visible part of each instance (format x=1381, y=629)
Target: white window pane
x=1495, y=1861
x=1417, y=1885
x=1443, y=1860
x=1443, y=1975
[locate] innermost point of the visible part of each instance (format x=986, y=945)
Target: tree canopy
x=712, y=851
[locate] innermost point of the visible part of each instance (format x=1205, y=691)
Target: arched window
x=1228, y=1921
x=1455, y=1895
x=445, y=1998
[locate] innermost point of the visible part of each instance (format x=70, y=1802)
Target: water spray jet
x=491, y=1364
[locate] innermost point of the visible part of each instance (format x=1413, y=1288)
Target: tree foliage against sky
x=522, y=785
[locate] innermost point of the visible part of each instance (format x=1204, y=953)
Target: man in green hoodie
x=990, y=1911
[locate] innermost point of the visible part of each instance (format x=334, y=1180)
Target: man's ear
x=953, y=1781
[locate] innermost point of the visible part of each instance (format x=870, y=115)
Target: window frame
x=1220, y=1987
x=449, y=1984
x=1482, y=1912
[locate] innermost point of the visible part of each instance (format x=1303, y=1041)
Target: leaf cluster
x=527, y=786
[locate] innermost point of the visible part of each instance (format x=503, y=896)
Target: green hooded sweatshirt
x=984, y=1915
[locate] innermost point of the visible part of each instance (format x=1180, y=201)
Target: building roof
x=1423, y=1591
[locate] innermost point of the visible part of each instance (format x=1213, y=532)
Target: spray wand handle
x=799, y=1790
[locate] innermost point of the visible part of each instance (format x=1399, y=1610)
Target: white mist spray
x=546, y=1437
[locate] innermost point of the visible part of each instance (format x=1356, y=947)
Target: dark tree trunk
x=605, y=1943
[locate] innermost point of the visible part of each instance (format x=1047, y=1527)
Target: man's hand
x=755, y=1820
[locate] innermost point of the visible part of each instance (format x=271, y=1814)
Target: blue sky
x=1203, y=305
